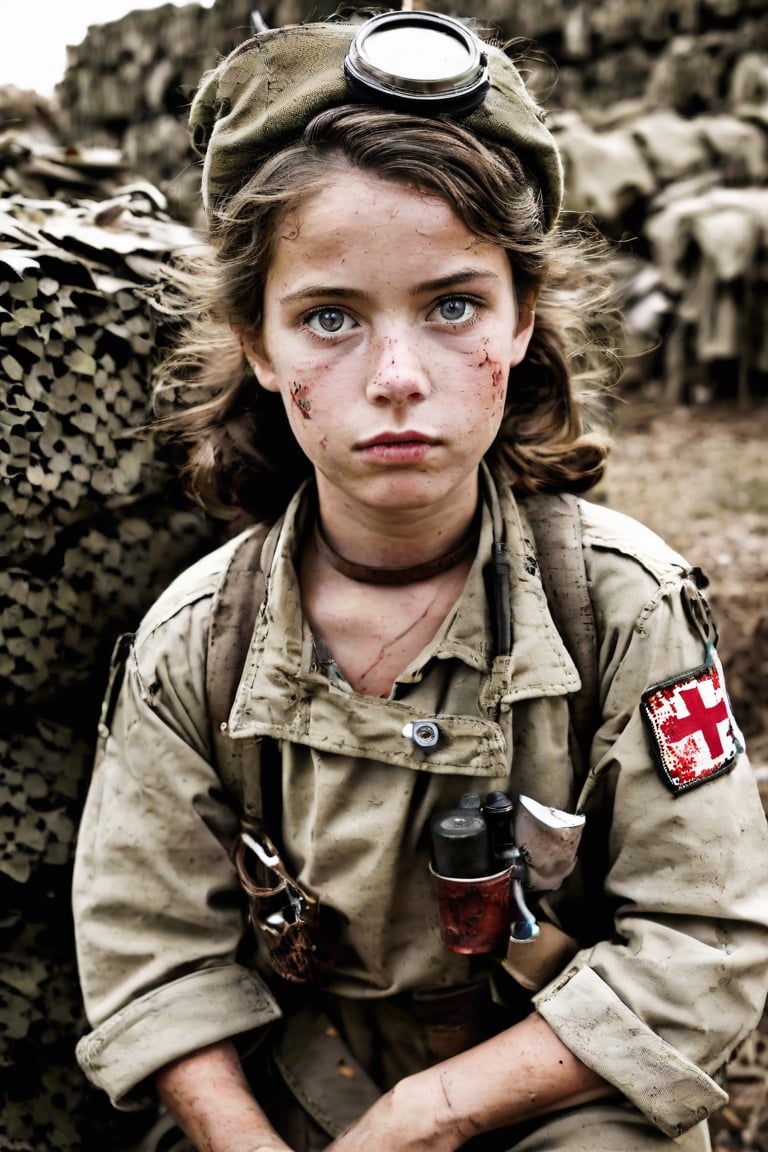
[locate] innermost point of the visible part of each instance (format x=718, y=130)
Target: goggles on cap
x=263, y=95
x=418, y=61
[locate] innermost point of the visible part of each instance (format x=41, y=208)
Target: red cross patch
x=693, y=732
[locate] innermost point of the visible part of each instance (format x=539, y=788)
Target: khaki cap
x=266, y=91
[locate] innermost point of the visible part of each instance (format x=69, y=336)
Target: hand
x=268, y=1142
x=245, y=1142
x=274, y=1146
x=263, y=1142
x=413, y=1117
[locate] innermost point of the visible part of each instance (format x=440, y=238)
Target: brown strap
x=233, y=617
x=321, y=1072
x=556, y=524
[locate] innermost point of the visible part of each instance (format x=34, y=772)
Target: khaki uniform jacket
x=668, y=904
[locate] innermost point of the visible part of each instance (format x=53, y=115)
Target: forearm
x=208, y=1096
x=520, y=1074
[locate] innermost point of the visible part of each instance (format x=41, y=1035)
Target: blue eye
x=327, y=321
x=456, y=309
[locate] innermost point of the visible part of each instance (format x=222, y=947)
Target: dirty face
x=389, y=330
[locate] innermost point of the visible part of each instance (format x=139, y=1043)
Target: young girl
x=384, y=337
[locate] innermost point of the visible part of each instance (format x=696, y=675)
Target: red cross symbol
x=700, y=718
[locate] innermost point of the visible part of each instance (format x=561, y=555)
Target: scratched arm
x=520, y=1074
x=208, y=1096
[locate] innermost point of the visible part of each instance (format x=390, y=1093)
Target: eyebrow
x=334, y=292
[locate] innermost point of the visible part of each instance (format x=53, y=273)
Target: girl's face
x=389, y=330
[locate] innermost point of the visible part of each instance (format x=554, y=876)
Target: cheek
x=300, y=397
x=306, y=383
x=308, y=409
x=491, y=378
x=499, y=378
x=300, y=406
x=301, y=392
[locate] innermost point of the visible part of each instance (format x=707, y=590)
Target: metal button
x=423, y=733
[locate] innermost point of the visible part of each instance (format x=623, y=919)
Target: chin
x=410, y=493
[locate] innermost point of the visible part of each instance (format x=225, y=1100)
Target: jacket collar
x=538, y=664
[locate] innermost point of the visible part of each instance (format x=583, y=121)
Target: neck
x=399, y=575
x=396, y=533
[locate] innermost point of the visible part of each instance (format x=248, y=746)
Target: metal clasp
x=423, y=733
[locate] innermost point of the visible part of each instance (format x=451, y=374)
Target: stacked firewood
x=129, y=83
x=92, y=527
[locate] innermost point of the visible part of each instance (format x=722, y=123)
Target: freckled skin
x=383, y=320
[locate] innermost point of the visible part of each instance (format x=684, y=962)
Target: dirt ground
x=699, y=477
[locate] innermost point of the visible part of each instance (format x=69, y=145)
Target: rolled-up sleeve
x=157, y=905
x=658, y=1007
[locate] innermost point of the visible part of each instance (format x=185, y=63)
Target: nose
x=398, y=373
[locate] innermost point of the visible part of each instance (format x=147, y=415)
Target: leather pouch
x=285, y=916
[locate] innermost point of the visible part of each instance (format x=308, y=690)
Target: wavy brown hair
x=241, y=456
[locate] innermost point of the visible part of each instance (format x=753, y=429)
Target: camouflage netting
x=92, y=527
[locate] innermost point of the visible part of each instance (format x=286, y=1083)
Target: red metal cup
x=474, y=914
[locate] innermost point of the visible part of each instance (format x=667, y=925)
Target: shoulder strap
x=233, y=617
x=555, y=521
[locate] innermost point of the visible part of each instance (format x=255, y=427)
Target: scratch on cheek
x=300, y=399
x=497, y=375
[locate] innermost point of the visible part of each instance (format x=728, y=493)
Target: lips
x=385, y=439
x=396, y=449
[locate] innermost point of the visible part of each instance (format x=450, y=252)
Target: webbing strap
x=555, y=521
x=233, y=618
